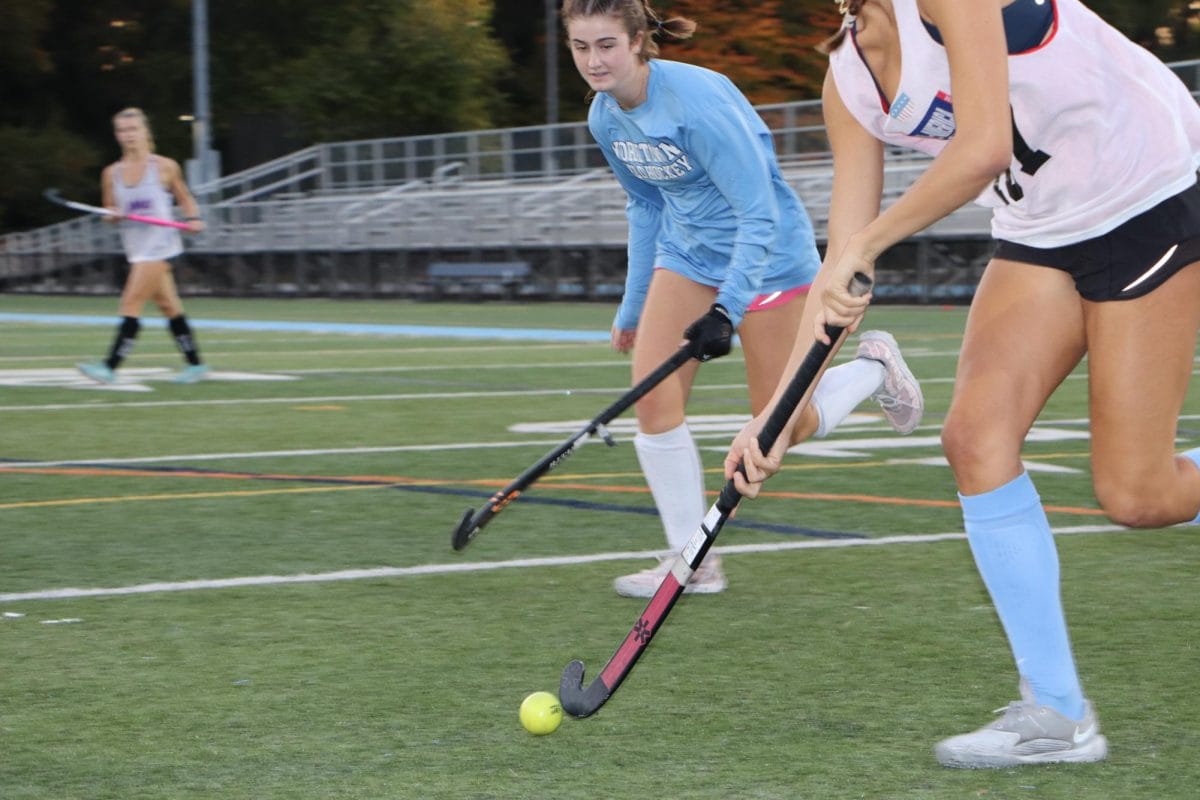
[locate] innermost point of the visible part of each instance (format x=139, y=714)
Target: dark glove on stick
x=711, y=335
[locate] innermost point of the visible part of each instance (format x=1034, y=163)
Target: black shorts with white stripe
x=1130, y=261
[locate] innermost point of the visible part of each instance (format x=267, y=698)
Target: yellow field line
x=568, y=481
x=78, y=501
x=785, y=468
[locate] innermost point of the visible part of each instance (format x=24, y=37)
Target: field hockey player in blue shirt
x=718, y=243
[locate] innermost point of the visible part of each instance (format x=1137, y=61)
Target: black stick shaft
x=474, y=521
x=580, y=702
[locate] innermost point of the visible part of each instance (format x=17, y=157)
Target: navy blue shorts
x=1129, y=261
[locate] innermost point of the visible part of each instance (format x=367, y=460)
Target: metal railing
x=543, y=152
x=530, y=187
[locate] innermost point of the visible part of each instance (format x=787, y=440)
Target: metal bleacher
x=367, y=218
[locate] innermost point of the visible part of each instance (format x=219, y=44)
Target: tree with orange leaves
x=766, y=47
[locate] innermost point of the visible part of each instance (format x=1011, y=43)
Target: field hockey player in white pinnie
x=145, y=184
x=1086, y=147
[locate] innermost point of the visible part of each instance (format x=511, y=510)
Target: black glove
x=711, y=335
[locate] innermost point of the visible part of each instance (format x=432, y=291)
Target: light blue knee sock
x=1014, y=550
x=1194, y=455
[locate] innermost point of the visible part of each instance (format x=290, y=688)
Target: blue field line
x=357, y=328
x=587, y=505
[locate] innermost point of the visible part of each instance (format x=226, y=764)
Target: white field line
x=332, y=451
x=619, y=435
x=1075, y=376
x=213, y=351
x=349, y=398
x=452, y=367
x=360, y=398
x=484, y=566
x=518, y=347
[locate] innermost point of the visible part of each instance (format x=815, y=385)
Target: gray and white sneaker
x=708, y=578
x=900, y=395
x=1027, y=733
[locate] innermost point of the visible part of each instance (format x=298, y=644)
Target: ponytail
x=678, y=28
x=849, y=10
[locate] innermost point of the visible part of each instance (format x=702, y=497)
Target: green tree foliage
x=316, y=70
x=521, y=29
x=373, y=68
x=35, y=158
x=68, y=66
x=300, y=71
x=23, y=62
x=36, y=148
x=1169, y=28
x=111, y=54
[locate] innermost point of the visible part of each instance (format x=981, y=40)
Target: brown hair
x=849, y=9
x=638, y=17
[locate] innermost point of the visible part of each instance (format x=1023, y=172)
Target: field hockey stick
x=54, y=197
x=473, y=521
x=580, y=702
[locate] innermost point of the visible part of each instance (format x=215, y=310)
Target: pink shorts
x=774, y=299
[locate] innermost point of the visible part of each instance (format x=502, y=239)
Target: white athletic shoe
x=1027, y=733
x=708, y=578
x=900, y=395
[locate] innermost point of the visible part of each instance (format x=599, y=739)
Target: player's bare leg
x=665, y=448
x=1025, y=334
x=1140, y=364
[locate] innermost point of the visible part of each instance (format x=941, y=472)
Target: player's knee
x=1126, y=508
x=1131, y=507
x=964, y=442
x=1130, y=502
x=657, y=416
x=659, y=412
x=130, y=305
x=659, y=424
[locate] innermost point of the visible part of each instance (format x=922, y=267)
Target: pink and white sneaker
x=900, y=395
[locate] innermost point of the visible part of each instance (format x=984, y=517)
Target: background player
x=145, y=183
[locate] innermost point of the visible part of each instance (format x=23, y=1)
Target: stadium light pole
x=550, y=165
x=201, y=121
x=551, y=62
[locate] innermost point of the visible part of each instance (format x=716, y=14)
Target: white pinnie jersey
x=1102, y=130
x=150, y=198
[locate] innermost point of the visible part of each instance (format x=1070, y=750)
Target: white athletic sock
x=841, y=389
x=675, y=475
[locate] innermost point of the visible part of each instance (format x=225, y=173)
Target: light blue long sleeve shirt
x=706, y=197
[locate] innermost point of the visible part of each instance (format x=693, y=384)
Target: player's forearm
x=955, y=178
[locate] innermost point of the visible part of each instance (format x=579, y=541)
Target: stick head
x=570, y=690
x=53, y=196
x=578, y=701
x=465, y=531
